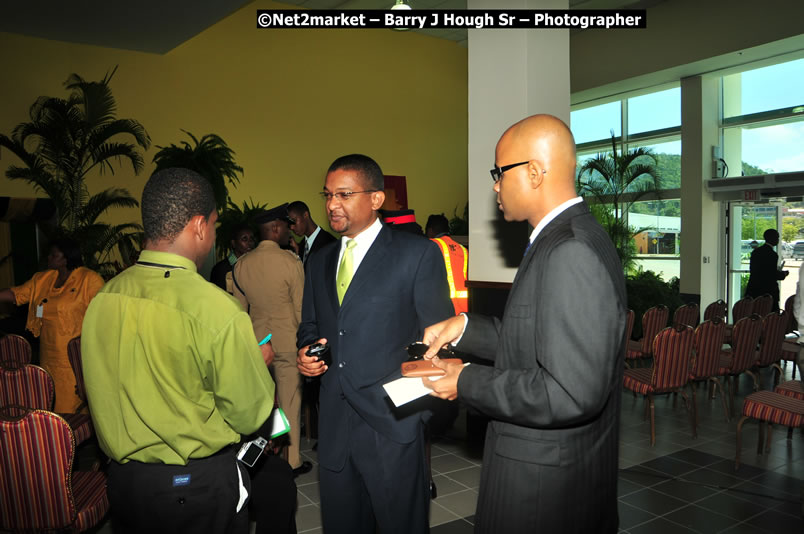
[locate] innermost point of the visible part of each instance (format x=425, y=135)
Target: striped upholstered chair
x=653, y=320
x=688, y=314
x=32, y=387
x=791, y=388
x=719, y=308
x=672, y=352
x=770, y=345
x=709, y=338
x=763, y=305
x=789, y=308
x=14, y=350
x=773, y=408
x=41, y=492
x=742, y=354
x=742, y=308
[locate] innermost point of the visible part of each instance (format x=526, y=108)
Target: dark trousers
x=273, y=496
x=200, y=497
x=383, y=484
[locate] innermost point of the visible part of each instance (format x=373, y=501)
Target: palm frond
x=101, y=202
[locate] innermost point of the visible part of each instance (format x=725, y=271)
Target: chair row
x=682, y=356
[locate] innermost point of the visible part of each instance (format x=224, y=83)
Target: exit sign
x=751, y=195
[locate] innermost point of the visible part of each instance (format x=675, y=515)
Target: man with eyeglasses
x=550, y=458
x=369, y=296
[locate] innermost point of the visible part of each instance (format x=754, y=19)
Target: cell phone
x=416, y=351
x=250, y=451
x=320, y=351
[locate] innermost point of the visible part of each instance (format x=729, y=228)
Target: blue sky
x=778, y=148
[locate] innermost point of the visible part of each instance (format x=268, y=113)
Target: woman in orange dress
x=57, y=300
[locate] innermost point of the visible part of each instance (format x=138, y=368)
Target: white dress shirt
x=364, y=241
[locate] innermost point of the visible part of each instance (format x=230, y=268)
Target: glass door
x=747, y=224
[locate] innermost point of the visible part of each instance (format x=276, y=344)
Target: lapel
x=331, y=267
x=573, y=211
x=372, y=262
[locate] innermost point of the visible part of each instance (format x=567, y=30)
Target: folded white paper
x=408, y=388
x=279, y=423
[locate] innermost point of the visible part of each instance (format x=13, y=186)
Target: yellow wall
x=288, y=102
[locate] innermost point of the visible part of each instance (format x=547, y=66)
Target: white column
x=512, y=74
x=702, y=262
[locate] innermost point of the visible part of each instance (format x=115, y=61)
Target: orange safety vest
x=456, y=255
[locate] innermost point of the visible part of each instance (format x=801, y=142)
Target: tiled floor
x=680, y=485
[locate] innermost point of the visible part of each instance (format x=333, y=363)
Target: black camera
x=320, y=351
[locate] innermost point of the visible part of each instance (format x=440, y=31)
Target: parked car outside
x=798, y=250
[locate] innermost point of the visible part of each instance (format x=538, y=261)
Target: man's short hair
x=170, y=199
x=770, y=233
x=297, y=206
x=368, y=169
x=438, y=223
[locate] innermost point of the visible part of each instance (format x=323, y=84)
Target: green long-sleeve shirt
x=171, y=365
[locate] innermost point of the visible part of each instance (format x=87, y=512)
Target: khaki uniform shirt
x=271, y=283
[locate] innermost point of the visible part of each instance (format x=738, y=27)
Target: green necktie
x=345, y=271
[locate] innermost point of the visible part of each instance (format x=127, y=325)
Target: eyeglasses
x=343, y=196
x=497, y=172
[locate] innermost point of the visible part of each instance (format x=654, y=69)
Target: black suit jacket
x=765, y=274
x=550, y=460
x=323, y=239
x=399, y=289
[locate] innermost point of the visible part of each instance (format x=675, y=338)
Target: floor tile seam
x=457, y=482
x=689, y=502
x=654, y=513
x=445, y=473
x=744, y=523
x=448, y=510
x=709, y=510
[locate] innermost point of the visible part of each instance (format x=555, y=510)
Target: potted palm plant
x=615, y=180
x=62, y=143
x=210, y=157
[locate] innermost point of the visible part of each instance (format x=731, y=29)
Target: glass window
x=654, y=111
x=657, y=236
x=668, y=163
x=772, y=149
x=764, y=89
x=596, y=123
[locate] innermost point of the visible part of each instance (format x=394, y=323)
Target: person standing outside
x=553, y=393
x=268, y=282
x=173, y=374
x=302, y=224
x=456, y=260
x=368, y=297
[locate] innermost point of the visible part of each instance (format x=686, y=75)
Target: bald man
x=553, y=393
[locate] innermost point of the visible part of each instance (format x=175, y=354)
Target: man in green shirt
x=174, y=374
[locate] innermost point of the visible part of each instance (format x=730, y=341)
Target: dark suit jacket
x=323, y=239
x=550, y=459
x=399, y=289
x=765, y=274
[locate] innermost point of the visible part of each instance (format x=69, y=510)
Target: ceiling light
x=401, y=4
